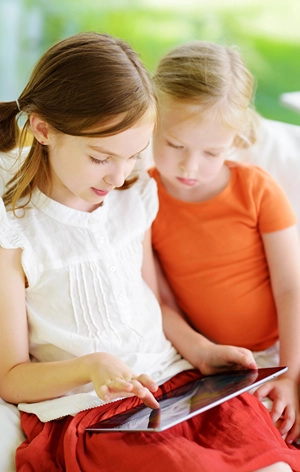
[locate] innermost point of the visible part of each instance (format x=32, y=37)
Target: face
x=190, y=150
x=84, y=170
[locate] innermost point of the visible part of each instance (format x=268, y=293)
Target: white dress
x=86, y=292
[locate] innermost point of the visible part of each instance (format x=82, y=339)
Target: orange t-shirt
x=213, y=256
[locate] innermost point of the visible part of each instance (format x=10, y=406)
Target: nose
x=190, y=162
x=116, y=175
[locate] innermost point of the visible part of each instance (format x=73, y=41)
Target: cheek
x=160, y=148
x=82, y=174
x=161, y=159
x=214, y=166
x=165, y=155
x=130, y=167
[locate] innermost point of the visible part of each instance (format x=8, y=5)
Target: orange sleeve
x=273, y=207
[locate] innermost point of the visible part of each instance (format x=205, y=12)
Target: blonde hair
x=81, y=83
x=214, y=77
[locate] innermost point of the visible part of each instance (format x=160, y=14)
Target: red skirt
x=235, y=436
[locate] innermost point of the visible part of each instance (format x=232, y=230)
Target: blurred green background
x=266, y=32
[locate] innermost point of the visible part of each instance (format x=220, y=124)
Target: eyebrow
x=105, y=151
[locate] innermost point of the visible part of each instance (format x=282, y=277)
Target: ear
x=39, y=128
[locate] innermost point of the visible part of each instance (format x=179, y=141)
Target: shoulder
x=144, y=189
x=10, y=162
x=149, y=195
x=272, y=206
x=245, y=170
x=10, y=237
x=13, y=235
x=254, y=177
x=146, y=183
x=137, y=203
x=153, y=172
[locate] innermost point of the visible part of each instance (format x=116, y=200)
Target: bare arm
x=282, y=250
x=23, y=381
x=165, y=292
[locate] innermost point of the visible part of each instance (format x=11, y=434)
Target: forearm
x=208, y=357
x=33, y=382
x=184, y=338
x=283, y=256
x=288, y=311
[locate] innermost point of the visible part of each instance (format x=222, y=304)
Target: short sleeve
x=9, y=237
x=275, y=211
x=12, y=237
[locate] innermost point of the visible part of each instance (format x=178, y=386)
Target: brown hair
x=82, y=82
x=214, y=77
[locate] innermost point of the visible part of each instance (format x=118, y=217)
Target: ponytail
x=9, y=129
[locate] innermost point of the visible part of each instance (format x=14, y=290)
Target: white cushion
x=11, y=435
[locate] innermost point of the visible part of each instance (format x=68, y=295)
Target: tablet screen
x=188, y=400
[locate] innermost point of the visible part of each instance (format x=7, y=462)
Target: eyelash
x=174, y=146
x=97, y=161
x=105, y=161
x=210, y=154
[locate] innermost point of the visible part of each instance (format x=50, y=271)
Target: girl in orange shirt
x=225, y=233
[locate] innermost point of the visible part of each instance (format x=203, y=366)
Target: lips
x=100, y=193
x=188, y=182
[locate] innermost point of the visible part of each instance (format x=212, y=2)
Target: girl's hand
x=285, y=409
x=112, y=378
x=215, y=358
